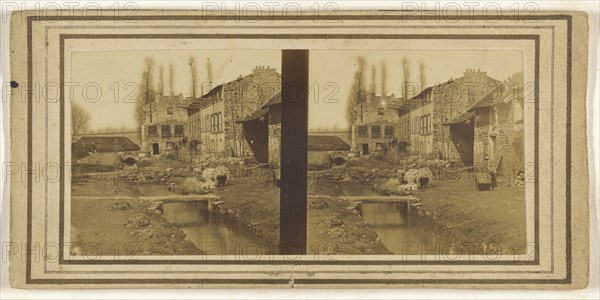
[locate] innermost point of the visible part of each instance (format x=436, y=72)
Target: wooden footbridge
x=410, y=200
x=205, y=201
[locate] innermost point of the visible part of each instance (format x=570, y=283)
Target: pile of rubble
x=208, y=179
x=405, y=182
x=520, y=179
x=211, y=160
x=192, y=185
x=138, y=221
x=417, y=162
x=154, y=174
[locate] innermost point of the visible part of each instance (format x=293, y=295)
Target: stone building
x=498, y=136
x=436, y=123
x=164, y=122
x=213, y=124
x=262, y=131
x=376, y=125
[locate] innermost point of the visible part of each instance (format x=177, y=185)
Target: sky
x=331, y=75
x=111, y=71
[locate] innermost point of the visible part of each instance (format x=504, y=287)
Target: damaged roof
x=464, y=117
x=488, y=99
x=259, y=113
x=274, y=100
x=263, y=110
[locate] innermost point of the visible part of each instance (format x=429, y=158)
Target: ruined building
x=498, y=136
x=375, y=126
x=262, y=131
x=436, y=123
x=213, y=124
x=164, y=122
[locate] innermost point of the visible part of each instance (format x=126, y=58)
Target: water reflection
x=210, y=233
x=393, y=225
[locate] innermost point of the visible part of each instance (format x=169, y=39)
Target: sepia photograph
x=189, y=149
x=417, y=151
x=186, y=165
x=395, y=165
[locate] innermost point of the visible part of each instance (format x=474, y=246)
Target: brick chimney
x=263, y=70
x=474, y=74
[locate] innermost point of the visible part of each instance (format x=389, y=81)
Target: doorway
x=365, y=149
x=155, y=148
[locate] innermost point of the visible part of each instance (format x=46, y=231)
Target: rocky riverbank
x=124, y=228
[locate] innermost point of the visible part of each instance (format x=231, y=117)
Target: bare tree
x=171, y=79
x=406, y=73
x=383, y=79
x=358, y=93
x=146, y=93
x=161, y=80
x=373, y=80
x=209, y=71
x=422, y=75
x=79, y=119
x=193, y=72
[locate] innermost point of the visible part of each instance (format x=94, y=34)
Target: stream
x=210, y=233
x=207, y=231
x=399, y=232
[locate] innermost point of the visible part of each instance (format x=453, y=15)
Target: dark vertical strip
x=61, y=219
x=568, y=154
x=294, y=139
x=29, y=148
x=536, y=197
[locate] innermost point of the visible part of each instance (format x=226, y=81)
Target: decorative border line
x=568, y=278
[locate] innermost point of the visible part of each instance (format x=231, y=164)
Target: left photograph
x=175, y=152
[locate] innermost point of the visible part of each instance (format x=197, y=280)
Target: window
x=165, y=131
x=429, y=125
x=416, y=125
x=152, y=131
x=178, y=130
x=218, y=122
x=389, y=131
x=380, y=111
x=169, y=110
x=363, y=131
x=376, y=131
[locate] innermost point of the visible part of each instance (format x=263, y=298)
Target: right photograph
x=417, y=152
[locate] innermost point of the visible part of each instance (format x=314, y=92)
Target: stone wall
x=275, y=134
x=499, y=135
x=374, y=141
x=239, y=98
x=452, y=99
x=165, y=108
x=375, y=112
x=163, y=140
x=499, y=138
x=422, y=142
